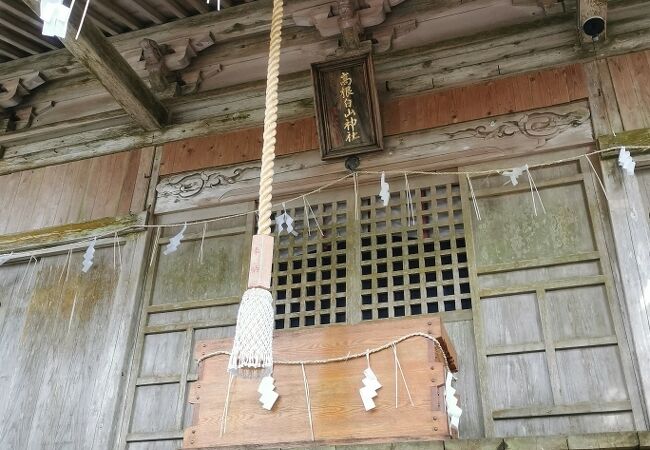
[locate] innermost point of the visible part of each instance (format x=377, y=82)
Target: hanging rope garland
x=252, y=352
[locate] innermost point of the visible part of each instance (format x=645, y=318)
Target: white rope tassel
x=83, y=19
x=474, y=202
x=600, y=182
x=409, y=201
x=399, y=366
x=307, y=218
x=533, y=191
x=308, y=398
x=252, y=351
x=202, y=242
x=154, y=250
x=224, y=416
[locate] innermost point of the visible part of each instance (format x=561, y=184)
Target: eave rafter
x=237, y=38
x=101, y=59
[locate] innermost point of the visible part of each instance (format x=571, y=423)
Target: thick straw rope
x=348, y=357
x=270, y=120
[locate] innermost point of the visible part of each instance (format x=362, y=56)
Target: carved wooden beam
x=589, y=9
x=347, y=18
x=113, y=72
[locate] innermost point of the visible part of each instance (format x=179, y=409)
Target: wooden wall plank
x=399, y=115
x=630, y=79
x=106, y=186
x=8, y=188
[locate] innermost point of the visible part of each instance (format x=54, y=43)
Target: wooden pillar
x=628, y=217
x=630, y=223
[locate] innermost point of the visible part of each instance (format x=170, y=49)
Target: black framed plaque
x=347, y=106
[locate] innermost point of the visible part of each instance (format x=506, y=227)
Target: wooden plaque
x=347, y=107
x=338, y=414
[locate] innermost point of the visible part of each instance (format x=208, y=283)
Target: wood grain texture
x=107, y=186
x=402, y=115
x=66, y=339
x=337, y=410
x=237, y=146
x=631, y=79
x=548, y=326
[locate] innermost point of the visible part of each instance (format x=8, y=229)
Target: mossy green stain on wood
x=182, y=277
x=510, y=232
x=65, y=297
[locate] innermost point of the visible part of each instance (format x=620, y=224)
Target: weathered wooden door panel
x=318, y=280
x=65, y=338
x=191, y=294
x=547, y=326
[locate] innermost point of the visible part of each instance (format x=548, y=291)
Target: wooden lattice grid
x=411, y=267
x=309, y=269
x=405, y=269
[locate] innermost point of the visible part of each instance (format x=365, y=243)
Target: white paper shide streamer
x=626, y=161
x=514, y=173
x=284, y=222
x=89, y=256
x=370, y=386
x=174, y=242
x=384, y=191
x=268, y=396
x=453, y=410
x=55, y=16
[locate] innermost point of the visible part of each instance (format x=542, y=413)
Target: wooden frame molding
x=65, y=233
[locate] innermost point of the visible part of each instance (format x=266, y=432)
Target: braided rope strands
x=252, y=353
x=270, y=120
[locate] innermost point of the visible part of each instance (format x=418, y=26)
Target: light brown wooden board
x=523, y=92
x=337, y=410
x=80, y=191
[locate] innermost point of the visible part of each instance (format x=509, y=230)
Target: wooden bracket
x=164, y=62
x=14, y=89
x=348, y=18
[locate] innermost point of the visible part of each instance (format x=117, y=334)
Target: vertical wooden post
x=631, y=229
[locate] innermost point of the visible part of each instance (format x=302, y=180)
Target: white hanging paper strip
x=267, y=391
x=369, y=390
x=453, y=410
x=626, y=161
x=174, y=242
x=514, y=173
x=89, y=256
x=384, y=191
x=284, y=221
x=55, y=16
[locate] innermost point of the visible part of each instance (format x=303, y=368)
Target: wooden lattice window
x=411, y=267
x=310, y=270
x=380, y=266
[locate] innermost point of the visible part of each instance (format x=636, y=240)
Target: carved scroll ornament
x=538, y=125
x=190, y=185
